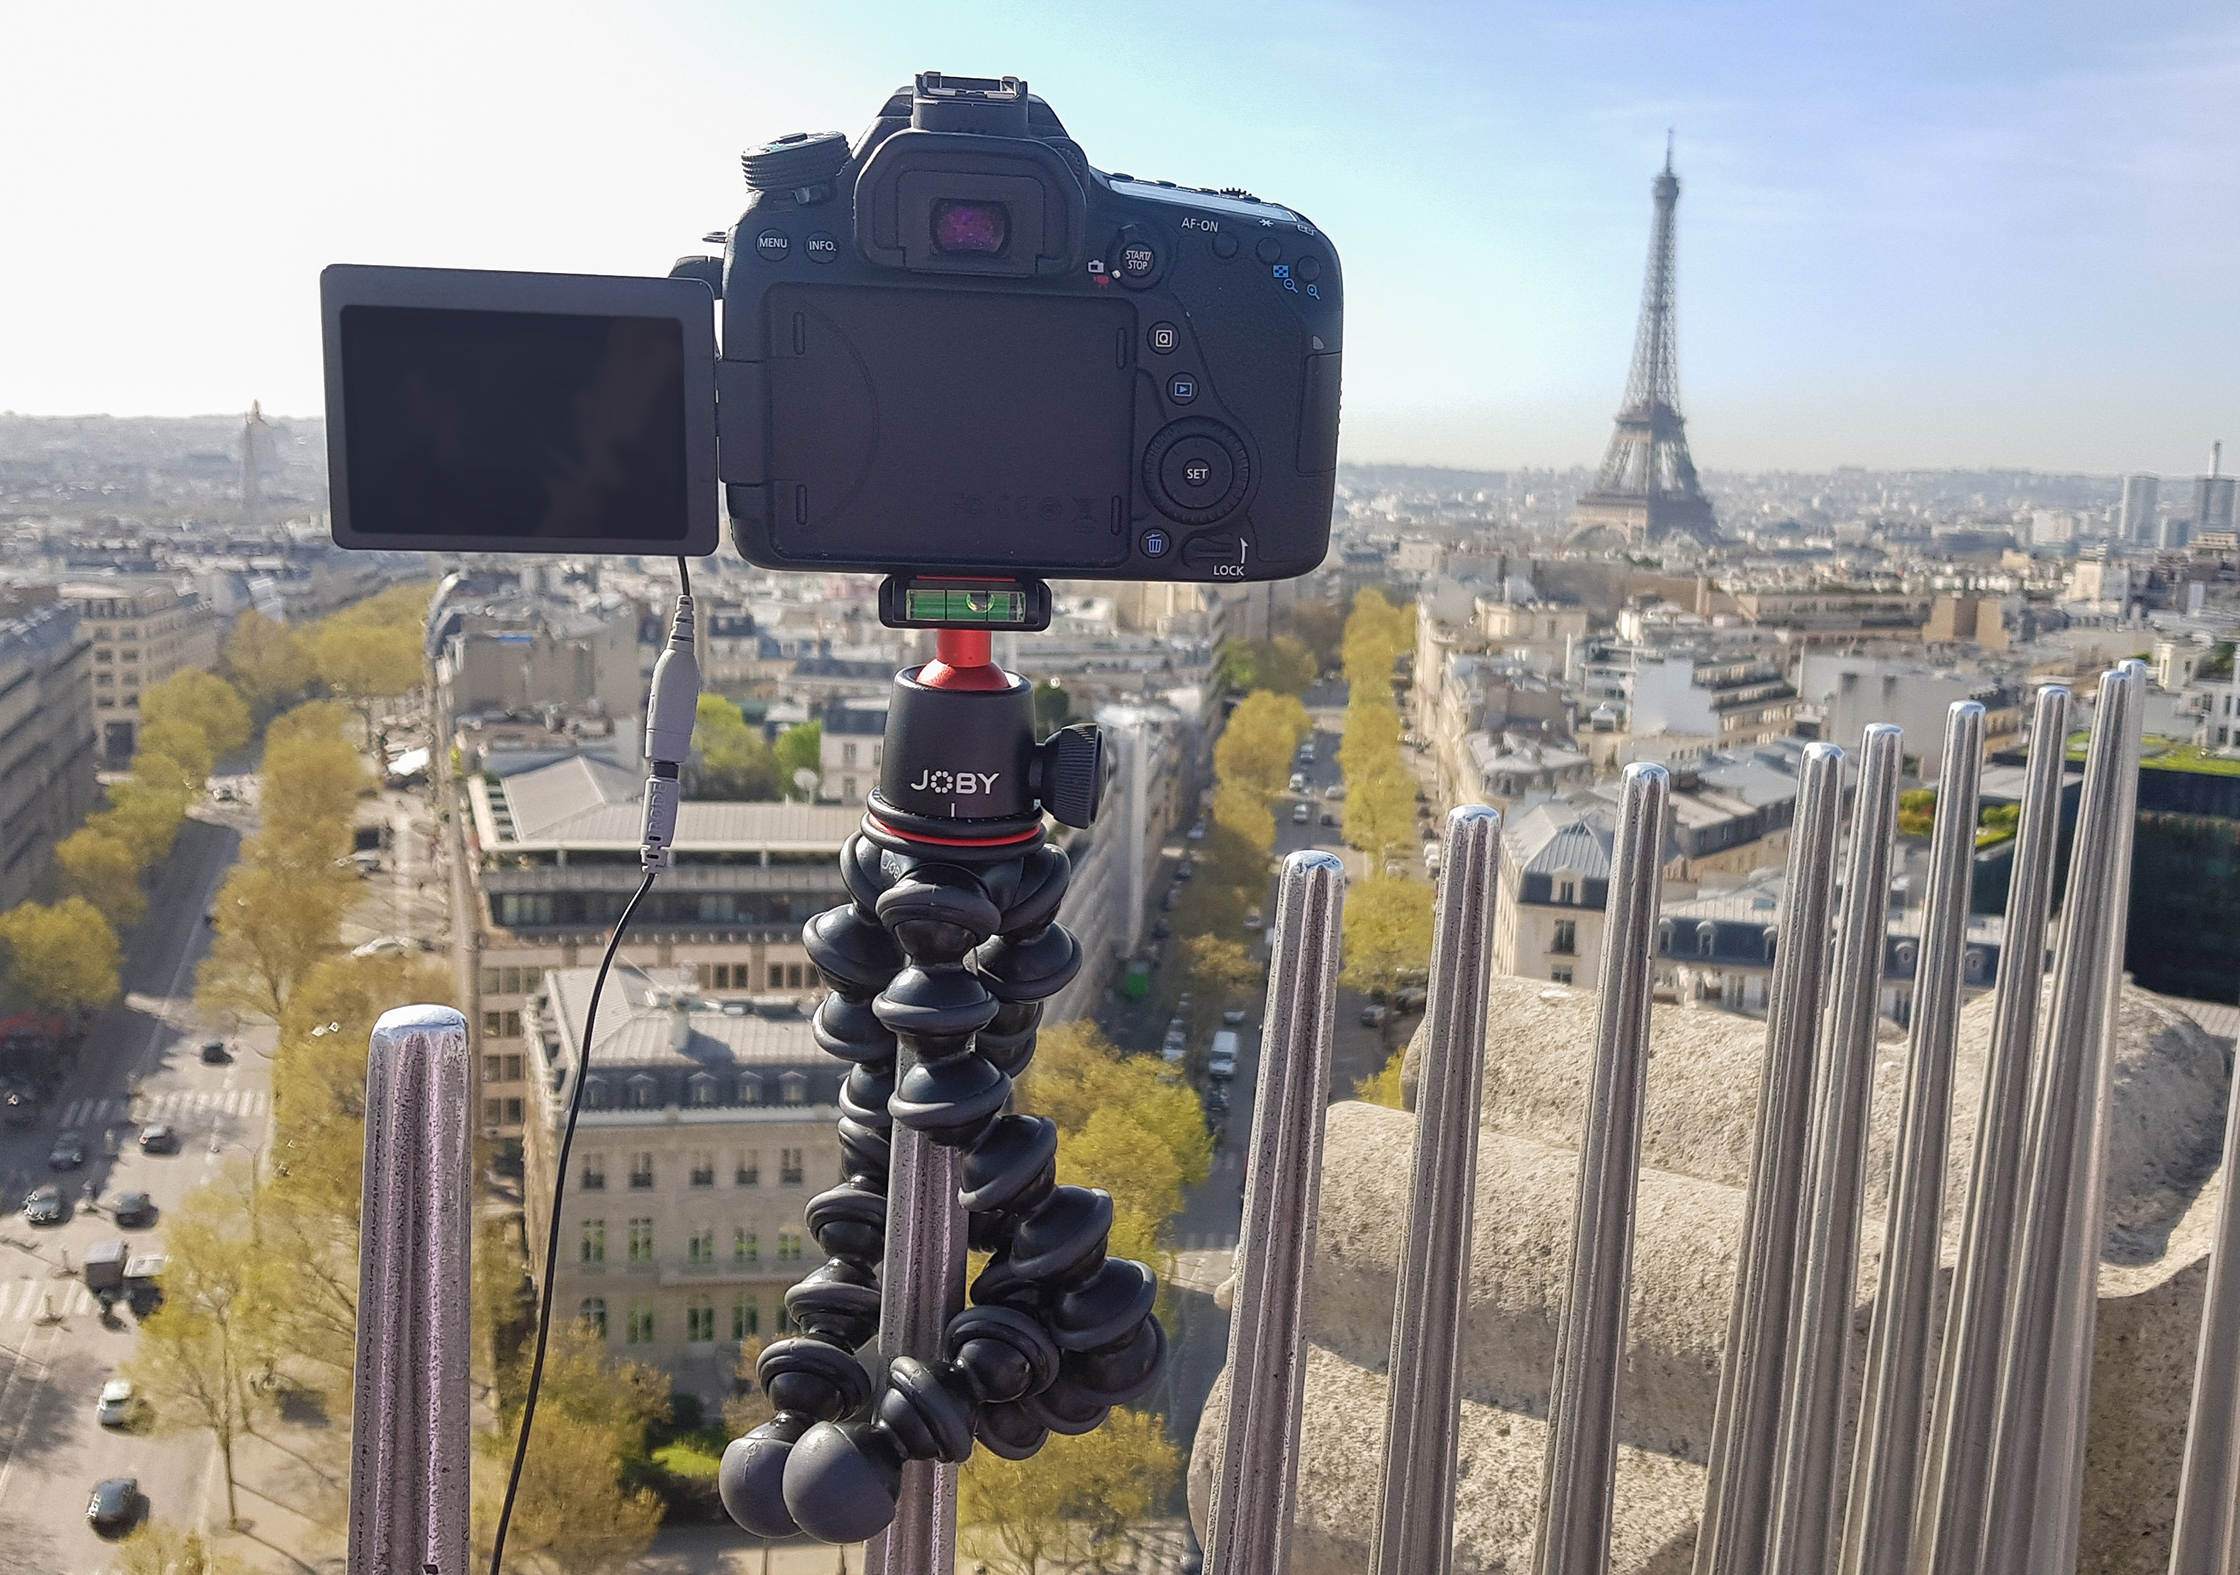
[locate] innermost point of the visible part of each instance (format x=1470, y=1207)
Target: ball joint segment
x=945, y=950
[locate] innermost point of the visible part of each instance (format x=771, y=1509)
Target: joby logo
x=955, y=782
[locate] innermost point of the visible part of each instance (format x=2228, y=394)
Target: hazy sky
x=1910, y=234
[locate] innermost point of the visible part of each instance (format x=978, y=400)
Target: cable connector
x=671, y=711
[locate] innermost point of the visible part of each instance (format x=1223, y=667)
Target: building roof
x=639, y=1025
x=584, y=803
x=1573, y=836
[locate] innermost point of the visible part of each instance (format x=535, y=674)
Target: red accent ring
x=953, y=842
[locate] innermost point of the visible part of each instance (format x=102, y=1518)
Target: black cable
x=684, y=577
x=552, y=1239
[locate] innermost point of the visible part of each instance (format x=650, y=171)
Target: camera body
x=957, y=347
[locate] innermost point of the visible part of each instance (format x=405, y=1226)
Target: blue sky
x=1991, y=234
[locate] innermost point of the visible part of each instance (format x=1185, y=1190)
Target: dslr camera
x=953, y=348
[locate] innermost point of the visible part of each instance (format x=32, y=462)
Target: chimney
x=680, y=1023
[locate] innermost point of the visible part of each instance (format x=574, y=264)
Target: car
x=387, y=946
x=1160, y=929
x=215, y=1053
x=1298, y=781
x=1171, y=1052
x=1185, y=870
x=1182, y=1007
x=1221, y=1060
x=45, y=1206
x=1306, y=751
x=1373, y=1015
x=1335, y=792
x=68, y=1153
x=160, y=1137
x=1216, y=1101
x=1300, y=813
x=115, y=1505
x=133, y=1209
x=366, y=861
x=1412, y=999
x=1167, y=899
x=1328, y=819
x=1252, y=919
x=1198, y=831
x=119, y=1403
x=1234, y=1017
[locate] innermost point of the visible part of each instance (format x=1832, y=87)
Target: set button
x=772, y=245
x=822, y=247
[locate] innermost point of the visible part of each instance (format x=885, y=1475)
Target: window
x=789, y=1246
x=593, y=1177
x=503, y=1025
x=512, y=1066
x=641, y=1171
x=848, y=757
x=513, y=1113
x=745, y=1248
x=795, y=1087
x=645, y=1093
x=493, y=1111
x=777, y=976
x=793, y=976
x=1560, y=975
x=1567, y=938
x=641, y=1323
x=750, y=1088
x=700, y=1089
x=700, y=1246
x=746, y=1319
x=641, y=1241
x=594, y=1314
x=848, y=788
x=1707, y=938
x=1567, y=892
x=748, y=1172
x=595, y=1093
x=700, y=1324
x=511, y=981
x=594, y=1241
x=703, y=1168
x=789, y=1167
x=490, y=1065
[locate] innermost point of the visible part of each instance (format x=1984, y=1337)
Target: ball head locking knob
x=1069, y=774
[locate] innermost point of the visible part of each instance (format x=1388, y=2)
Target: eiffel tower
x=1648, y=488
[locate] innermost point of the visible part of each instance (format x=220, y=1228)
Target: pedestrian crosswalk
x=165, y=1107
x=30, y=1301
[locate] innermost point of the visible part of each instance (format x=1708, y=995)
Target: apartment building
x=853, y=735
x=144, y=630
x=1555, y=884
x=705, y=1129
x=555, y=858
x=46, y=736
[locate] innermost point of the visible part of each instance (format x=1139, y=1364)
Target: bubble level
x=996, y=609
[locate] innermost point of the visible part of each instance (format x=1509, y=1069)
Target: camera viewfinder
x=971, y=227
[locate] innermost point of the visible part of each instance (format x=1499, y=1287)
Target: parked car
x=1298, y=781
x=1185, y=870
x=68, y=1153
x=1306, y=751
x=118, y=1405
x=1160, y=929
x=1221, y=1061
x=103, y=1269
x=1412, y=999
x=387, y=946
x=1328, y=819
x=1334, y=792
x=1374, y=1014
x=134, y=1209
x=1198, y=831
x=215, y=1053
x=1216, y=1101
x=1300, y=813
x=115, y=1505
x=1171, y=1051
x=1234, y=1017
x=1252, y=919
x=45, y=1206
x=159, y=1138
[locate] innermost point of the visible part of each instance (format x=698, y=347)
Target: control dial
x=1196, y=470
x=798, y=161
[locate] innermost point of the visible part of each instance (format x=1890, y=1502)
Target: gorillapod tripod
x=939, y=964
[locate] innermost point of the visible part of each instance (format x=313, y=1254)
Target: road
x=1205, y=1233
x=140, y=1061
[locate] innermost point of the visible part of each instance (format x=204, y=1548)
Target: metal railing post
x=1806, y=1488
x=1415, y=1525
x=409, y=1432
x=1948, y=1519
x=1886, y=1463
x=2037, y=1449
x=924, y=1272
x=2207, y=1534
x=1248, y=1528
x=1738, y=1497
x=1579, y=1473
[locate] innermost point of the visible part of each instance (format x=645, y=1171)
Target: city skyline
x=1908, y=242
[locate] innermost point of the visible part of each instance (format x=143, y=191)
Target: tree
x=1053, y=707
x=274, y=925
x=63, y=958
x=1321, y=627
x=103, y=869
x=269, y=663
x=1222, y=972
x=1283, y=665
x=156, y=1548
x=749, y=1408
x=1380, y=811
x=574, y=1516
x=199, y=1347
x=1079, y=1502
x=800, y=749
x=1388, y=925
x=366, y=653
x=1256, y=746
x=1245, y=813
x=1114, y=1151
x=736, y=761
x=312, y=719
x=1383, y=1088
x=145, y=810
x=311, y=789
x=203, y=704
x=1077, y=1072
x=1376, y=634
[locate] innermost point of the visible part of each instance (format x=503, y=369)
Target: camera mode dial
x=1196, y=470
x=800, y=162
